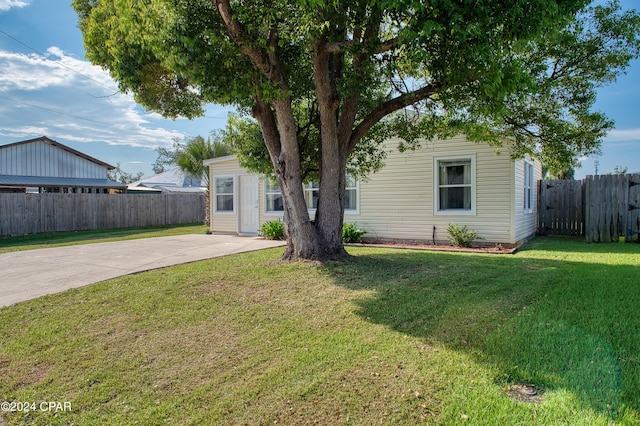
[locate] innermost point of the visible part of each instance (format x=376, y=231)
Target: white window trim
x=265, y=185
x=436, y=186
x=215, y=194
x=529, y=176
x=355, y=211
x=346, y=211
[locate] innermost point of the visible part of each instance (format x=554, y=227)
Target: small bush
x=273, y=230
x=351, y=233
x=460, y=236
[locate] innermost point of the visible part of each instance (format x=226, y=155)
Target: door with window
x=249, y=220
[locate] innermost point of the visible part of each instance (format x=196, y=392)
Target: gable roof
x=60, y=146
x=215, y=160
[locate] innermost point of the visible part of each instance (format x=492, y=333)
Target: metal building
x=45, y=165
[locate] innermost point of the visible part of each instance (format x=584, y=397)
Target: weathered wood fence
x=22, y=214
x=602, y=208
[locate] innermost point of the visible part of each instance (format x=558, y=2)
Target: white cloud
x=33, y=72
x=67, y=98
x=623, y=135
x=8, y=4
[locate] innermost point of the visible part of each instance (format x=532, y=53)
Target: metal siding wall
x=42, y=159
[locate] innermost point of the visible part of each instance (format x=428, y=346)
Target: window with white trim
x=528, y=187
x=454, y=180
x=274, y=202
x=351, y=194
x=273, y=197
x=223, y=187
x=311, y=194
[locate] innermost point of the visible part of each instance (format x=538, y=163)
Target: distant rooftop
x=171, y=181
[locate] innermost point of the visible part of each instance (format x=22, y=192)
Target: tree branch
x=390, y=106
x=350, y=104
x=263, y=113
x=342, y=46
x=510, y=121
x=267, y=63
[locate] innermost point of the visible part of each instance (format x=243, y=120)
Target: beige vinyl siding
x=398, y=201
x=525, y=222
x=224, y=222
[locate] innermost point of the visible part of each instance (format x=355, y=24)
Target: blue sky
x=47, y=88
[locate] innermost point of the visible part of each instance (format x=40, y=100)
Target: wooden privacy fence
x=560, y=207
x=603, y=208
x=22, y=214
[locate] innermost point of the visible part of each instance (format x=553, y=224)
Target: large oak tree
x=322, y=76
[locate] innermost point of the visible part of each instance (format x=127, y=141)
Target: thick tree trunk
x=304, y=241
x=320, y=239
x=333, y=159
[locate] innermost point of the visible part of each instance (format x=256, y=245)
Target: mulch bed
x=435, y=247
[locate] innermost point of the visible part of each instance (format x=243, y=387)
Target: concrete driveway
x=29, y=274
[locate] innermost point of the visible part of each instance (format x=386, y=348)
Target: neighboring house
x=45, y=165
x=173, y=181
x=412, y=199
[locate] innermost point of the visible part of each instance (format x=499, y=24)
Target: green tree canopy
x=190, y=156
x=326, y=79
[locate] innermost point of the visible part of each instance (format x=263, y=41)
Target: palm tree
x=190, y=157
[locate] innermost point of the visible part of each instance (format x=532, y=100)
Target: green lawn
x=57, y=239
x=391, y=337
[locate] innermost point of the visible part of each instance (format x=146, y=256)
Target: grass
x=57, y=239
x=391, y=337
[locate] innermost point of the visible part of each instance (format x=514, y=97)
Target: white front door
x=249, y=204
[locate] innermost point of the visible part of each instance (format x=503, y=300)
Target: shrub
x=460, y=236
x=273, y=230
x=351, y=233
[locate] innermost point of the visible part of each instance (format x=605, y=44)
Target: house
x=173, y=181
x=45, y=165
x=413, y=199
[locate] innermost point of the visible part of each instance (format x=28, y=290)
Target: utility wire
x=45, y=56
x=56, y=112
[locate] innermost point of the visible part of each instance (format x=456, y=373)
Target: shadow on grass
x=559, y=324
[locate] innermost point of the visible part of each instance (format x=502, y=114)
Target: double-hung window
x=223, y=187
x=273, y=197
x=528, y=187
x=312, y=194
x=351, y=194
x=274, y=202
x=454, y=181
